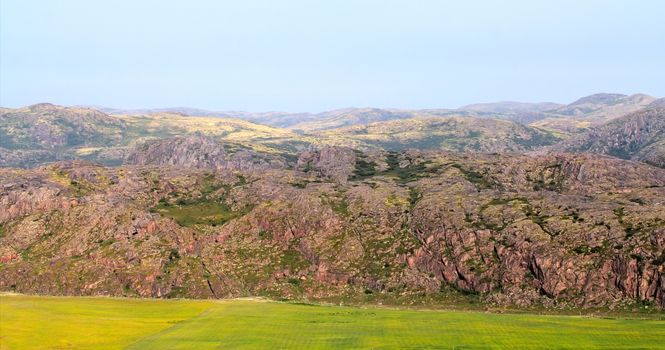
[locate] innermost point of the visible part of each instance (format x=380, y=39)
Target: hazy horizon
x=301, y=56
x=302, y=111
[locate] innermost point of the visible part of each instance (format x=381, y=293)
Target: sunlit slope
x=45, y=133
x=447, y=133
x=257, y=136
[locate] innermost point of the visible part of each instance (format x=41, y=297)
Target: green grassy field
x=29, y=322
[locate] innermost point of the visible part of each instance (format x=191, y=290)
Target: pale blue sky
x=318, y=55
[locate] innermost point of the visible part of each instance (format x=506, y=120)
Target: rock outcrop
x=637, y=136
x=336, y=163
x=558, y=230
x=201, y=152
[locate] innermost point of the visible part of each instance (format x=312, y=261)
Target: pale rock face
x=336, y=163
x=201, y=152
x=187, y=152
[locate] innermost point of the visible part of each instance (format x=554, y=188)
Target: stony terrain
x=557, y=230
x=638, y=136
x=45, y=133
x=404, y=206
x=591, y=111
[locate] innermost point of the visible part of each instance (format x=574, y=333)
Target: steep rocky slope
x=201, y=152
x=638, y=136
x=557, y=229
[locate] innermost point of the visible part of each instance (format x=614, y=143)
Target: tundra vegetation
x=500, y=207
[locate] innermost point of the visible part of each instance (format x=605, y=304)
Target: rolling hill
x=446, y=133
x=591, y=111
x=44, y=133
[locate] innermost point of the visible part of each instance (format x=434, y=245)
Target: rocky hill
x=605, y=106
x=45, y=133
x=201, y=152
x=352, y=116
x=276, y=119
x=558, y=230
x=575, y=117
x=591, y=111
x=511, y=107
x=637, y=136
x=520, y=112
x=46, y=126
x=659, y=103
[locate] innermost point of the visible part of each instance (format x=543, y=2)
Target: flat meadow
x=37, y=322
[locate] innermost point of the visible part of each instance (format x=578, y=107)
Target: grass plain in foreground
x=30, y=322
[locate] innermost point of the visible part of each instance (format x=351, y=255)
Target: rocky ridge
x=638, y=136
x=558, y=230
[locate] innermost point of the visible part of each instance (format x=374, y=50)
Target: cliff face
x=558, y=229
x=637, y=136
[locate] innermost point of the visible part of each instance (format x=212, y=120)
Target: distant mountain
x=637, y=136
x=514, y=111
x=140, y=111
x=605, y=106
x=599, y=99
x=352, y=116
x=45, y=133
x=520, y=112
x=511, y=107
x=278, y=119
x=591, y=111
x=657, y=103
x=454, y=133
x=564, y=119
x=51, y=127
